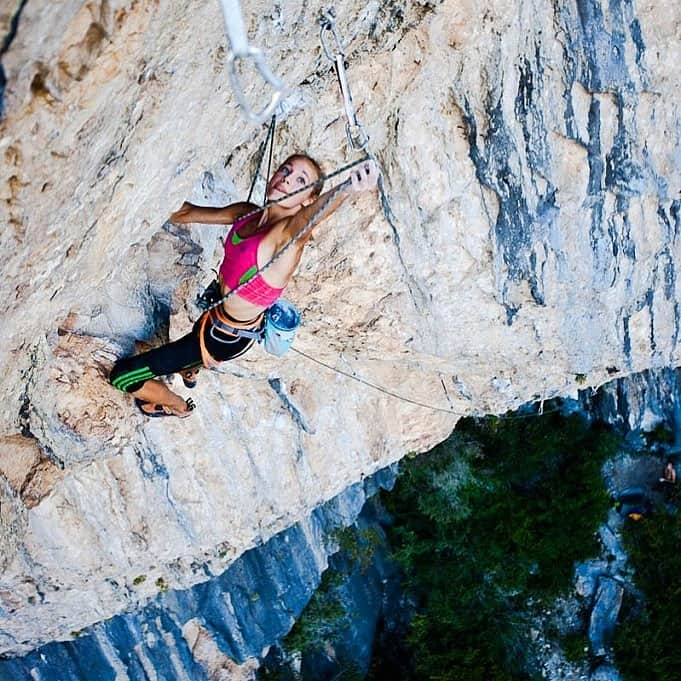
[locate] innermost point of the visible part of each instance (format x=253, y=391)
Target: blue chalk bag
x=282, y=320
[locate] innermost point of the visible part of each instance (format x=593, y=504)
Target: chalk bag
x=281, y=323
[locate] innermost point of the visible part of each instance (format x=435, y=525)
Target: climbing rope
x=331, y=195
x=314, y=183
x=409, y=400
x=269, y=139
x=357, y=137
x=240, y=49
x=358, y=140
x=203, y=300
x=375, y=386
x=269, y=161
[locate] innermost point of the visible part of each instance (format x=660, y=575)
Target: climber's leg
x=137, y=374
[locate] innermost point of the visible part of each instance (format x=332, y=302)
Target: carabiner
x=357, y=137
x=261, y=65
x=360, y=140
x=328, y=23
x=240, y=49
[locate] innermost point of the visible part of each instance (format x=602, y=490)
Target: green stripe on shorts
x=124, y=380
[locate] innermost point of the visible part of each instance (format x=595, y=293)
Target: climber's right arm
x=211, y=215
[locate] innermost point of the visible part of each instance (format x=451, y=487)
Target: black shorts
x=130, y=374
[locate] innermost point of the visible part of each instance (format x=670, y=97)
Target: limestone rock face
x=526, y=246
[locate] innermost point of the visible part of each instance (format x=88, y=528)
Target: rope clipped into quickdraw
x=357, y=136
x=358, y=139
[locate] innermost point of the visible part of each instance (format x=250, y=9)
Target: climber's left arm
x=212, y=215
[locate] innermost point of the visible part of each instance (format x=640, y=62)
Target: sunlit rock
x=526, y=248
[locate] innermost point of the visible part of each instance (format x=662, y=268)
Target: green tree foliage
x=499, y=512
x=323, y=618
x=358, y=544
x=647, y=641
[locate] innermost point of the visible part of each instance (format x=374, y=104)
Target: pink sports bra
x=240, y=265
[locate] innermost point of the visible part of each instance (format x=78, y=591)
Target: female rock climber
x=227, y=331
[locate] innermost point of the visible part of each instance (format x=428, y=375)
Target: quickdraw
x=240, y=49
x=357, y=136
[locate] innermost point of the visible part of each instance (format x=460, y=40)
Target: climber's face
x=295, y=173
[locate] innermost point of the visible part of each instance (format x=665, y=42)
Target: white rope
x=409, y=400
x=306, y=229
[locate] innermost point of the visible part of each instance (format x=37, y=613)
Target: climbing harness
x=233, y=330
x=277, y=336
x=240, y=49
x=275, y=329
x=357, y=136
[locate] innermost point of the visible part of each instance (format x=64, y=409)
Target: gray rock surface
x=216, y=630
x=527, y=247
x=588, y=574
x=604, y=614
